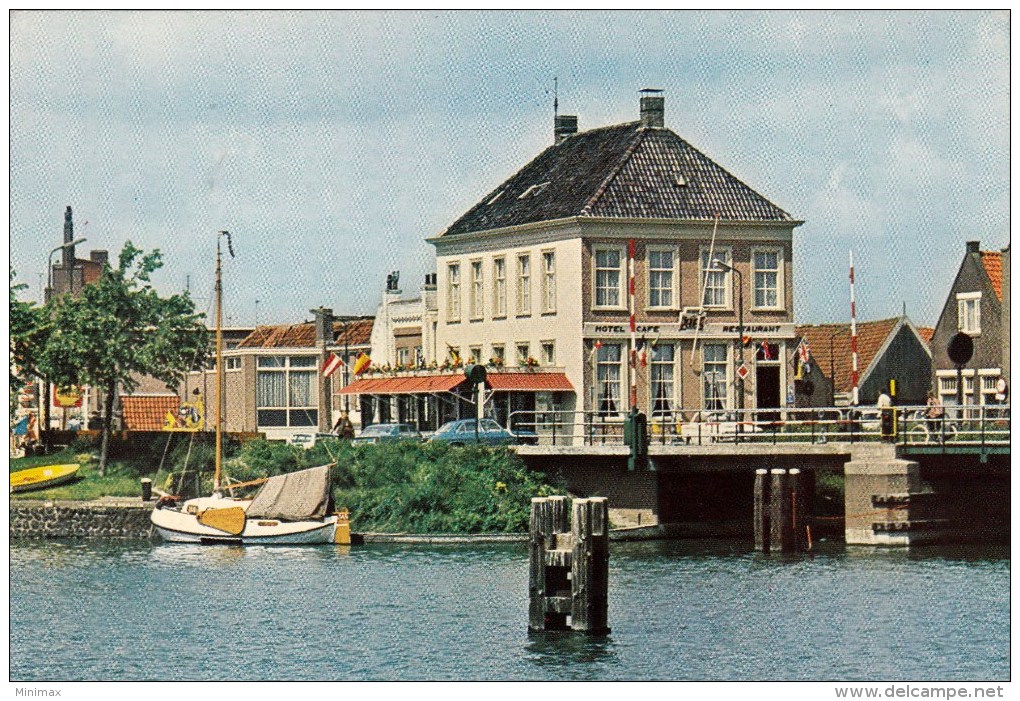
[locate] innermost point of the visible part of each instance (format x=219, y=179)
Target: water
x=92, y=610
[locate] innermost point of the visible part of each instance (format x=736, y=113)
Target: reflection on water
x=701, y=610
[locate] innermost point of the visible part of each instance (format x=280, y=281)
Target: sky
x=332, y=144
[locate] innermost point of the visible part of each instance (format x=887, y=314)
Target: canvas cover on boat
x=298, y=496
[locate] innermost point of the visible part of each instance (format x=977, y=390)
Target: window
x=717, y=282
x=524, y=284
x=533, y=190
x=663, y=383
x=231, y=363
x=523, y=354
x=498, y=354
x=403, y=356
x=607, y=378
x=453, y=292
x=549, y=281
x=477, y=298
x=767, y=278
x=475, y=354
x=661, y=285
x=714, y=374
x=968, y=306
x=499, y=287
x=548, y=353
x=286, y=391
x=608, y=277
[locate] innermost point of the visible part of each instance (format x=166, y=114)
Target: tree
x=28, y=330
x=119, y=327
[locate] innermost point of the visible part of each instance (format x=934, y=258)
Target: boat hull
x=42, y=477
x=176, y=526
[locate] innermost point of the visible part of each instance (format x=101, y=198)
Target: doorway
x=767, y=391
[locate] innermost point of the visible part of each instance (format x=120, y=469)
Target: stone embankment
x=102, y=518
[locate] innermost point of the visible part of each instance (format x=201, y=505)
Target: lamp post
x=345, y=322
x=719, y=265
x=49, y=268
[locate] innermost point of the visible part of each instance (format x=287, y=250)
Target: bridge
x=906, y=478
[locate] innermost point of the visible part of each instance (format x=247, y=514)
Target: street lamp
x=719, y=265
x=49, y=267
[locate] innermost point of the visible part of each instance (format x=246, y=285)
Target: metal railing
x=906, y=425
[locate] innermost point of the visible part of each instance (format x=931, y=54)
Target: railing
x=907, y=425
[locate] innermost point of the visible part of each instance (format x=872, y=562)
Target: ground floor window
x=607, y=378
x=286, y=391
x=663, y=379
x=714, y=374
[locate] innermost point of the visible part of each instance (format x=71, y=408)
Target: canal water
x=679, y=610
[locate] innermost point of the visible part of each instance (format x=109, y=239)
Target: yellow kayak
x=41, y=477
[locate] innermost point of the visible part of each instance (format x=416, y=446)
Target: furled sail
x=296, y=496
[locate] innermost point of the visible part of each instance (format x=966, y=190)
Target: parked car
x=462, y=432
x=303, y=440
x=380, y=433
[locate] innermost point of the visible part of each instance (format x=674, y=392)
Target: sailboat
x=288, y=509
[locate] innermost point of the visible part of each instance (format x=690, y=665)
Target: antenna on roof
x=556, y=97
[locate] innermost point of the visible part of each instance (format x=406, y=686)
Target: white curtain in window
x=271, y=389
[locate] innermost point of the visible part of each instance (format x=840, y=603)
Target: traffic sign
x=743, y=371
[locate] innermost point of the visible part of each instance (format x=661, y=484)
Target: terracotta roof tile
x=147, y=413
x=871, y=335
x=992, y=261
x=621, y=171
x=926, y=333
x=358, y=332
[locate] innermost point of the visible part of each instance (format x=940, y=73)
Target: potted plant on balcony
x=530, y=363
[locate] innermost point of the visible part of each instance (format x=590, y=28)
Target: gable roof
x=148, y=413
x=926, y=332
x=871, y=338
x=992, y=261
x=356, y=333
x=621, y=171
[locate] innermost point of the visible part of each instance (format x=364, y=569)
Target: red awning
x=529, y=382
x=405, y=385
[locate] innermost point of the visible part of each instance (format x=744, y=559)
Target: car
x=462, y=432
x=716, y=426
x=380, y=433
x=303, y=440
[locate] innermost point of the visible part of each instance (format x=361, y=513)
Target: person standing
x=343, y=427
x=935, y=412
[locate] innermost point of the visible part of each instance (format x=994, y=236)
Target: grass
x=88, y=485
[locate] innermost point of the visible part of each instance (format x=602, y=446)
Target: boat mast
x=219, y=365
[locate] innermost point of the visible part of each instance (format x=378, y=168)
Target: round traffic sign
x=961, y=348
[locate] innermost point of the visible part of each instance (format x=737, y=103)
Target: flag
x=362, y=363
x=454, y=355
x=766, y=351
x=333, y=362
x=804, y=350
x=746, y=340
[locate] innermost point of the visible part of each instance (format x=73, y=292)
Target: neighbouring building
x=887, y=349
x=978, y=305
x=272, y=377
x=71, y=274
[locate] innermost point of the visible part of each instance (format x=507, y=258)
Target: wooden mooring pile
x=569, y=565
x=780, y=511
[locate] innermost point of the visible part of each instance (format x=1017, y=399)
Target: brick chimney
x=973, y=247
x=564, y=125
x=652, y=108
x=100, y=257
x=68, y=257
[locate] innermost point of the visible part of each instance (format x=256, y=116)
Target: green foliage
x=28, y=328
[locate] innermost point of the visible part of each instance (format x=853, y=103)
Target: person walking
x=343, y=427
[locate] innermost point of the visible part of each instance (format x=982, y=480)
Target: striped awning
x=426, y=384
x=529, y=382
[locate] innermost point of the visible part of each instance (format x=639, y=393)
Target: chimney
x=323, y=326
x=101, y=257
x=652, y=108
x=68, y=257
x=428, y=292
x=973, y=247
x=564, y=125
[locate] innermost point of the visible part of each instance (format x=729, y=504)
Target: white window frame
x=524, y=284
x=548, y=282
x=477, y=295
x=522, y=357
x=714, y=401
x=548, y=358
x=779, y=273
x=604, y=368
x=674, y=393
x=453, y=292
x=963, y=323
x=284, y=365
x=499, y=351
x=475, y=355
x=724, y=253
x=674, y=277
x=232, y=364
x=499, y=287
x=620, y=280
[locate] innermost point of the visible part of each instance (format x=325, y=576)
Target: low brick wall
x=105, y=518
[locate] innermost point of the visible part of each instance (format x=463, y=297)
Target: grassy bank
x=392, y=487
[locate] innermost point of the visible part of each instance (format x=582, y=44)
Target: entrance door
x=767, y=391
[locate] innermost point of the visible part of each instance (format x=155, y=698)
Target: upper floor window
x=608, y=277
x=548, y=353
x=549, y=281
x=661, y=277
x=523, y=353
x=767, y=278
x=716, y=281
x=498, y=354
x=475, y=355
x=968, y=309
x=499, y=287
x=453, y=292
x=524, y=284
x=477, y=299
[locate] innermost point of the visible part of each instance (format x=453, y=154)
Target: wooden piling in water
x=761, y=510
x=569, y=565
x=779, y=512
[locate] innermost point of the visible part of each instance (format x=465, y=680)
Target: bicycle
x=931, y=430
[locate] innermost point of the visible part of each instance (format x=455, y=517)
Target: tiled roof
x=926, y=332
x=871, y=335
x=992, y=261
x=358, y=333
x=529, y=382
x=622, y=171
x=147, y=413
